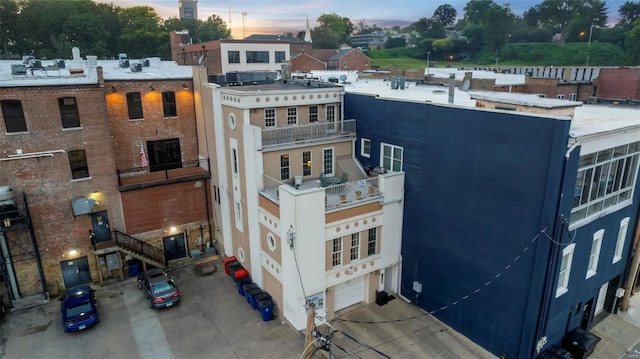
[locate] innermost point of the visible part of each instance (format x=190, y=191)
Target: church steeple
x=307, y=33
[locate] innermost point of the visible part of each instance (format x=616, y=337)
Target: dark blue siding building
x=490, y=244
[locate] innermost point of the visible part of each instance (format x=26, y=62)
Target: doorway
x=174, y=247
x=75, y=272
x=587, y=310
x=100, y=224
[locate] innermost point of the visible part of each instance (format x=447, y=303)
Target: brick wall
x=619, y=83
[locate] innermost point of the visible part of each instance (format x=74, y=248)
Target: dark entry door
x=174, y=247
x=587, y=311
x=75, y=272
x=100, y=224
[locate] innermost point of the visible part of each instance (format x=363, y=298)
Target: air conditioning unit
x=145, y=63
x=137, y=67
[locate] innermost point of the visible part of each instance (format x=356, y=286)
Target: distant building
x=372, y=40
x=349, y=59
x=188, y=9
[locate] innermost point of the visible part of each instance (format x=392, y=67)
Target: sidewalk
x=620, y=333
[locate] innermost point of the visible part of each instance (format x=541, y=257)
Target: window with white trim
x=234, y=159
x=622, y=233
x=269, y=117
x=372, y=241
x=573, y=96
x=391, y=157
x=605, y=178
x=336, y=252
x=355, y=246
x=285, y=168
x=313, y=113
x=594, y=256
x=331, y=116
x=306, y=163
x=565, y=269
x=560, y=97
x=327, y=161
x=365, y=147
x=292, y=115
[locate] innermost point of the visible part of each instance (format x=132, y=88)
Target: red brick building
x=619, y=83
x=96, y=158
x=349, y=59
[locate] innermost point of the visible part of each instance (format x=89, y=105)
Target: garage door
x=349, y=293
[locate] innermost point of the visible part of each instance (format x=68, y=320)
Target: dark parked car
x=79, y=309
x=160, y=290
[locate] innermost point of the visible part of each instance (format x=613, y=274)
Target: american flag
x=143, y=157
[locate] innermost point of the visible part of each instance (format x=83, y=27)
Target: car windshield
x=78, y=309
x=162, y=287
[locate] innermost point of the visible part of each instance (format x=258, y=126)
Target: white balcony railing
x=293, y=134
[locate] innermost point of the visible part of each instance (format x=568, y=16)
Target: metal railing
x=137, y=246
x=172, y=170
x=304, y=133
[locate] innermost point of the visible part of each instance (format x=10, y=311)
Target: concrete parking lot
x=212, y=321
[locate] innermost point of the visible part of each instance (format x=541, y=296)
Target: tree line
x=49, y=29
x=488, y=26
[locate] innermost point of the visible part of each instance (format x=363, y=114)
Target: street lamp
x=428, y=63
x=589, y=45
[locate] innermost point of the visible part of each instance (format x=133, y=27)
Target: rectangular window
x=592, y=268
x=69, y=112
x=134, y=104
x=560, y=97
x=306, y=163
x=280, y=57
x=336, y=252
x=355, y=246
x=257, y=57
x=269, y=117
x=78, y=162
x=13, y=115
x=313, y=113
x=365, y=147
x=234, y=57
x=391, y=157
x=573, y=96
x=605, y=179
x=285, y=170
x=292, y=115
x=169, y=104
x=565, y=270
x=331, y=116
x=164, y=154
x=234, y=155
x=372, y=241
x=622, y=233
x=327, y=161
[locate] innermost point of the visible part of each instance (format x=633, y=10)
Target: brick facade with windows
x=47, y=181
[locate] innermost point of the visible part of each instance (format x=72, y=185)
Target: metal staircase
x=134, y=247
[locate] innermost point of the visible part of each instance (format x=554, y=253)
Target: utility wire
x=365, y=345
x=300, y=276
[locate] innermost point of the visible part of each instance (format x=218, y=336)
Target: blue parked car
x=79, y=310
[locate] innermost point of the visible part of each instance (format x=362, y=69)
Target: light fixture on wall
x=113, y=89
x=185, y=86
x=151, y=88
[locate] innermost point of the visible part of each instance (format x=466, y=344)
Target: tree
x=445, y=14
x=498, y=23
x=629, y=12
x=393, y=42
x=474, y=11
x=333, y=31
x=569, y=17
x=429, y=29
x=141, y=32
x=8, y=20
x=632, y=40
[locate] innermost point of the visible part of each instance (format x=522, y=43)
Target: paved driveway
x=212, y=321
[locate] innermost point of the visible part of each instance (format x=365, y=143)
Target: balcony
x=336, y=196
x=299, y=134
x=142, y=177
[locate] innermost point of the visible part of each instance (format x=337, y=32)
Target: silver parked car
x=159, y=288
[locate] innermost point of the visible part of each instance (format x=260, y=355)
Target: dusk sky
x=280, y=16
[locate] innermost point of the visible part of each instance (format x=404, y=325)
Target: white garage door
x=349, y=293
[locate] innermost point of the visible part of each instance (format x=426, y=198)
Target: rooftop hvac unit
x=59, y=63
x=145, y=63
x=137, y=67
x=232, y=78
x=124, y=63
x=18, y=69
x=219, y=79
